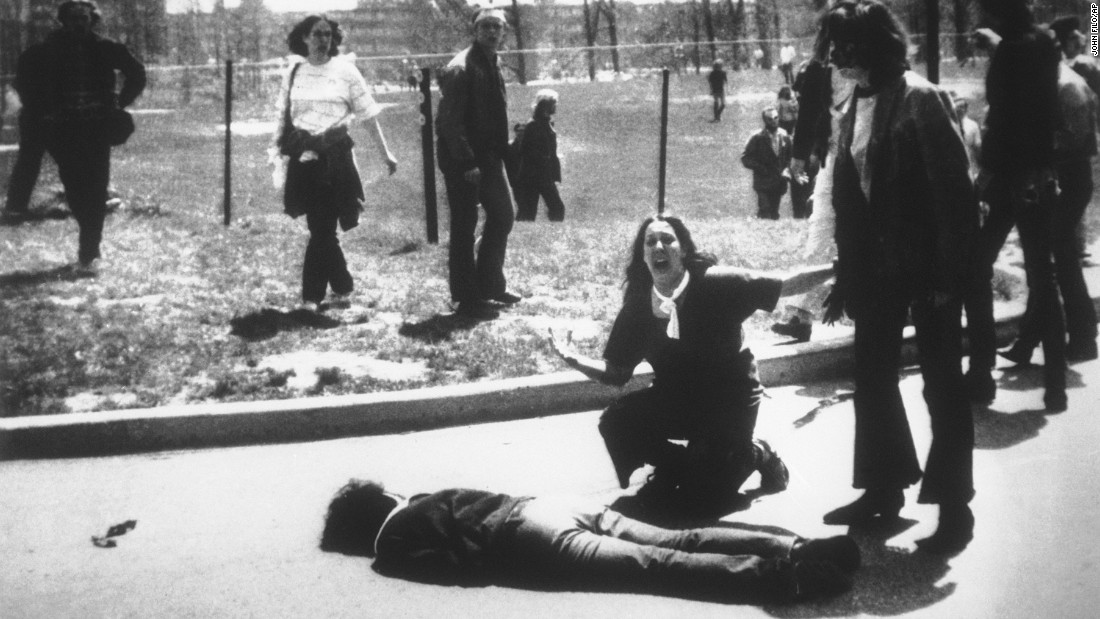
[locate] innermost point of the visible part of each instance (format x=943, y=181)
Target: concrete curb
x=327, y=417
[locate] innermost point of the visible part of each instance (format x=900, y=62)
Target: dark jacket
x=48, y=81
x=814, y=85
x=1022, y=89
x=332, y=174
x=539, y=161
x=918, y=224
x=472, y=122
x=767, y=166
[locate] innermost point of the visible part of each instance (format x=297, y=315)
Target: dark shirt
x=709, y=353
x=1022, y=89
x=472, y=122
x=717, y=79
x=445, y=537
x=539, y=152
x=68, y=74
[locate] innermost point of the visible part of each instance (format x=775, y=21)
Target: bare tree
x=591, y=27
x=521, y=61
x=708, y=23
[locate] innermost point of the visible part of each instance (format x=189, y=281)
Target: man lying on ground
x=474, y=537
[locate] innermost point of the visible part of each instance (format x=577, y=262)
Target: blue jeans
x=481, y=278
x=560, y=538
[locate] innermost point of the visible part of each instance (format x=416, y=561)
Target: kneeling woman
x=683, y=315
x=319, y=99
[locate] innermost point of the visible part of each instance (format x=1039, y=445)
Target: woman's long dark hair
x=879, y=43
x=301, y=29
x=638, y=278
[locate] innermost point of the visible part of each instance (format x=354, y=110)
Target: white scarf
x=668, y=306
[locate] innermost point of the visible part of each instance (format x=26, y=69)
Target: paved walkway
x=233, y=532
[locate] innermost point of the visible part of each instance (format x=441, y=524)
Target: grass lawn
x=185, y=309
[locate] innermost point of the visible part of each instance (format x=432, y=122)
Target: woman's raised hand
x=565, y=351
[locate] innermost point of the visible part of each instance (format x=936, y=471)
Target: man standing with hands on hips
x=472, y=128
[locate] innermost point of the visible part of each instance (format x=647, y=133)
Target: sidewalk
x=327, y=417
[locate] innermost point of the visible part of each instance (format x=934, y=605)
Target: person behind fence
x=68, y=81
x=717, y=78
x=472, y=129
x=905, y=218
x=787, y=55
x=768, y=155
x=683, y=315
x=1018, y=180
x=539, y=169
x=319, y=99
x=470, y=537
x=1075, y=147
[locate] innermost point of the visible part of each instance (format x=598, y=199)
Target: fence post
x=228, y=173
x=428, y=149
x=932, y=58
x=664, y=142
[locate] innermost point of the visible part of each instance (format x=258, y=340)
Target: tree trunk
x=708, y=23
x=591, y=24
x=608, y=8
x=521, y=60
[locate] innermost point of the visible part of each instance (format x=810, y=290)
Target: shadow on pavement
x=438, y=328
x=268, y=322
x=66, y=273
x=891, y=581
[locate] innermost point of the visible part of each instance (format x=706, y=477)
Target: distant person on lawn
x=472, y=128
x=717, y=78
x=539, y=167
x=470, y=537
x=319, y=99
x=683, y=314
x=768, y=155
x=67, y=85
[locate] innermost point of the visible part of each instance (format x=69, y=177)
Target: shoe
x=1055, y=400
x=795, y=328
x=342, y=301
x=477, y=310
x=1081, y=352
x=506, y=298
x=1018, y=354
x=980, y=386
x=86, y=267
x=885, y=505
x=954, y=532
x=774, y=475
x=839, y=550
x=817, y=579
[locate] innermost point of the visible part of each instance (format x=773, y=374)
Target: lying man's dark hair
x=355, y=516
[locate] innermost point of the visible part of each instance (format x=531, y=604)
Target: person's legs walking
x=28, y=164
x=84, y=165
x=767, y=205
x=324, y=262
x=1077, y=186
x=555, y=208
x=527, y=201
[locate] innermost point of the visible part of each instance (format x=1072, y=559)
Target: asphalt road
x=233, y=532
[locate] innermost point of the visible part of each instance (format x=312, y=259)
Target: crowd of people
x=911, y=203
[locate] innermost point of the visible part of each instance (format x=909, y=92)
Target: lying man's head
x=355, y=516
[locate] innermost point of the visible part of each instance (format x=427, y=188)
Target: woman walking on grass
x=319, y=99
x=539, y=166
x=683, y=315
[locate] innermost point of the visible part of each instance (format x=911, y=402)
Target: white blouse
x=326, y=95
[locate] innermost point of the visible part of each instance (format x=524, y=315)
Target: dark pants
x=578, y=541
x=324, y=263
x=767, y=204
x=483, y=278
x=719, y=456
x=84, y=165
x=885, y=456
x=978, y=296
x=800, y=199
x=28, y=163
x=527, y=200
x=719, y=104
x=1075, y=179
x=788, y=72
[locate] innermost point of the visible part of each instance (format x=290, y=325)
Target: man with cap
x=69, y=80
x=472, y=129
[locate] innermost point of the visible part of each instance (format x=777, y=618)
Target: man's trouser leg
x=978, y=296
x=84, y=165
x=28, y=164
x=462, y=269
x=499, y=217
x=1035, y=222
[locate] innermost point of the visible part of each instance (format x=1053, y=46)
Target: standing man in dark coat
x=1019, y=181
x=472, y=127
x=717, y=79
x=70, y=79
x=768, y=155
